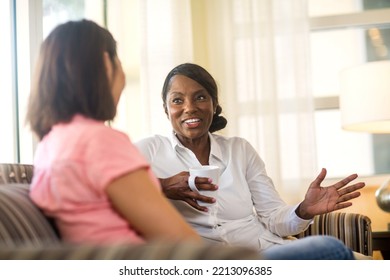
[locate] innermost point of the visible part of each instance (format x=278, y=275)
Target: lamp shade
x=365, y=97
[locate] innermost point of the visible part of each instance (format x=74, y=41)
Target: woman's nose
x=190, y=107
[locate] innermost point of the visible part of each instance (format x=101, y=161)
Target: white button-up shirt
x=248, y=210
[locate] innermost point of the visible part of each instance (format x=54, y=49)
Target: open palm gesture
x=320, y=200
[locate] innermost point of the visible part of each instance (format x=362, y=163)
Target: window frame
x=365, y=19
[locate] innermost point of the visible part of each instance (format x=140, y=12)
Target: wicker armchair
x=353, y=229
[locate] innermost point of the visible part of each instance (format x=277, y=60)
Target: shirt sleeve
x=279, y=217
x=110, y=154
x=148, y=147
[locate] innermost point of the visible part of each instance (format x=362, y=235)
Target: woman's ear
x=108, y=65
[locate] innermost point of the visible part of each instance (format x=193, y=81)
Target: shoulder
x=232, y=142
x=156, y=140
x=152, y=144
x=233, y=147
x=88, y=136
x=94, y=130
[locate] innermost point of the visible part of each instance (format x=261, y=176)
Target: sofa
x=26, y=233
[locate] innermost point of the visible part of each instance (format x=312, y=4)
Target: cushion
x=16, y=173
x=150, y=251
x=351, y=228
x=21, y=222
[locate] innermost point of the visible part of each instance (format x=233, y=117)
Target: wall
x=366, y=204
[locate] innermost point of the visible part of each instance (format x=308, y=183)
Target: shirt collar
x=215, y=150
x=174, y=141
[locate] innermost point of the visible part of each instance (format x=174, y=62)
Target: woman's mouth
x=192, y=123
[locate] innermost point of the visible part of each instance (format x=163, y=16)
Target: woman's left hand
x=320, y=200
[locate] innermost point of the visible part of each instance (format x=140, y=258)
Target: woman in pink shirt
x=88, y=176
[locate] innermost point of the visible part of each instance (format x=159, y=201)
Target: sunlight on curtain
x=153, y=37
x=123, y=17
x=165, y=43
x=261, y=65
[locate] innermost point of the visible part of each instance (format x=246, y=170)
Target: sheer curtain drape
x=262, y=67
x=166, y=41
x=153, y=37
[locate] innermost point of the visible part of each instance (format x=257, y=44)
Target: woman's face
x=116, y=77
x=190, y=108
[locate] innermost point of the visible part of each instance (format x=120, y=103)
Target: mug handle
x=191, y=183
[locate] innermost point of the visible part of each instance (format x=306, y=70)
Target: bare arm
x=138, y=200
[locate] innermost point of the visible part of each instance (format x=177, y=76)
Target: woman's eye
x=201, y=97
x=176, y=101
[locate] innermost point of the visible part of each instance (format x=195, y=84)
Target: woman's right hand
x=176, y=188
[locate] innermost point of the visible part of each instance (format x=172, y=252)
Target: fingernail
x=210, y=180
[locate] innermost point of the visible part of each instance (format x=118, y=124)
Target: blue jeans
x=310, y=248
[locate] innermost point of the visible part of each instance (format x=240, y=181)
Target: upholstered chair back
x=16, y=173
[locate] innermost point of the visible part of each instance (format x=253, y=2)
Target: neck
x=200, y=147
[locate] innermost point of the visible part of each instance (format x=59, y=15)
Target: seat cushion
x=21, y=222
x=149, y=251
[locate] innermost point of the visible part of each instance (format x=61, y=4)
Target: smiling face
x=115, y=75
x=118, y=80
x=190, y=109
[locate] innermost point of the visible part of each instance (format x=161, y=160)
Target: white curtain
x=166, y=42
x=261, y=57
x=153, y=36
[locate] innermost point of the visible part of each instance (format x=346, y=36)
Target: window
x=23, y=24
x=59, y=11
x=15, y=69
x=343, y=34
x=7, y=97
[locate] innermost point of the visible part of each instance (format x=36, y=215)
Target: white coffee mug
x=208, y=171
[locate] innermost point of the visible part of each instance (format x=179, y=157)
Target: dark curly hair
x=201, y=76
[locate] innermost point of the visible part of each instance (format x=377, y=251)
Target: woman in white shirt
x=248, y=210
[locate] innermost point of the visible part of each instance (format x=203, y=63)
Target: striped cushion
x=21, y=222
x=15, y=173
x=351, y=228
x=149, y=251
